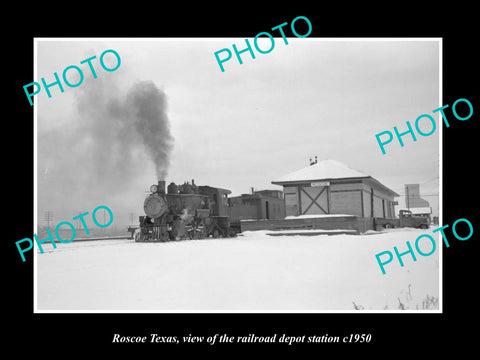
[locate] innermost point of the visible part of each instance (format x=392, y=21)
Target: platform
x=349, y=223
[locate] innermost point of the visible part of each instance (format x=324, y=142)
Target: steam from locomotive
x=117, y=137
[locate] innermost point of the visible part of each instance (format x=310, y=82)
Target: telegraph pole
x=77, y=221
x=48, y=216
x=407, y=197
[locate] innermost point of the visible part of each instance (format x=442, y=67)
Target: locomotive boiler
x=184, y=211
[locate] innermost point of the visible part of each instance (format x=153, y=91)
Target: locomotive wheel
x=173, y=235
x=216, y=234
x=196, y=232
x=202, y=234
x=232, y=232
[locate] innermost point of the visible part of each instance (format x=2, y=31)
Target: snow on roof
x=326, y=169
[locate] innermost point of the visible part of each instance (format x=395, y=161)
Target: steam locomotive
x=184, y=211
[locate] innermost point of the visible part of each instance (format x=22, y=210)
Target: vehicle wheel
x=216, y=234
x=388, y=226
x=200, y=232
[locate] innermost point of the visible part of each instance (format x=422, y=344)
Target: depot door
x=314, y=200
x=291, y=204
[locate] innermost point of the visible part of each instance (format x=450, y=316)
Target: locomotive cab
x=218, y=198
x=220, y=222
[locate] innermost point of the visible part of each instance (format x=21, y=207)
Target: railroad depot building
x=331, y=187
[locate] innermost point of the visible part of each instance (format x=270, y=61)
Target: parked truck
x=406, y=219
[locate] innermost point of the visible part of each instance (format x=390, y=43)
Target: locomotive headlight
x=154, y=188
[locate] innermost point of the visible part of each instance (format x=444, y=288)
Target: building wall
x=412, y=196
x=378, y=207
x=360, y=225
x=290, y=194
x=332, y=223
x=356, y=185
x=346, y=198
x=275, y=208
x=254, y=203
x=367, y=205
x=270, y=193
x=255, y=207
x=382, y=202
x=243, y=212
x=318, y=193
x=353, y=198
x=346, y=202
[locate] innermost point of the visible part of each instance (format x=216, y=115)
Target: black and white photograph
x=260, y=188
x=222, y=179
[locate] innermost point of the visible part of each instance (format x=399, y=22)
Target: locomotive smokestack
x=161, y=186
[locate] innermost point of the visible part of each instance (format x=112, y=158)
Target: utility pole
x=132, y=217
x=407, y=200
x=77, y=221
x=48, y=216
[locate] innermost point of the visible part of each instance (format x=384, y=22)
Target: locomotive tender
x=185, y=211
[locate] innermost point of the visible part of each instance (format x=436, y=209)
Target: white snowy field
x=252, y=272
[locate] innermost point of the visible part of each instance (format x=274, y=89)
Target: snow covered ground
x=252, y=272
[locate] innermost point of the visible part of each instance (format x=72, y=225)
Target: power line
x=421, y=195
x=434, y=178
x=48, y=216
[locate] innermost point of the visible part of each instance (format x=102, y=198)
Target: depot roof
x=322, y=170
x=325, y=170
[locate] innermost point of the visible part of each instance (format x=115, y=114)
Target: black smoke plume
x=148, y=111
x=104, y=154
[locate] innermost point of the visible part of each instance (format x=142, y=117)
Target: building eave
x=339, y=180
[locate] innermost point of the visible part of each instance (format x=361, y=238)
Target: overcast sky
x=243, y=127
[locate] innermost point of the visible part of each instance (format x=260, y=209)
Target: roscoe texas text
x=250, y=338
